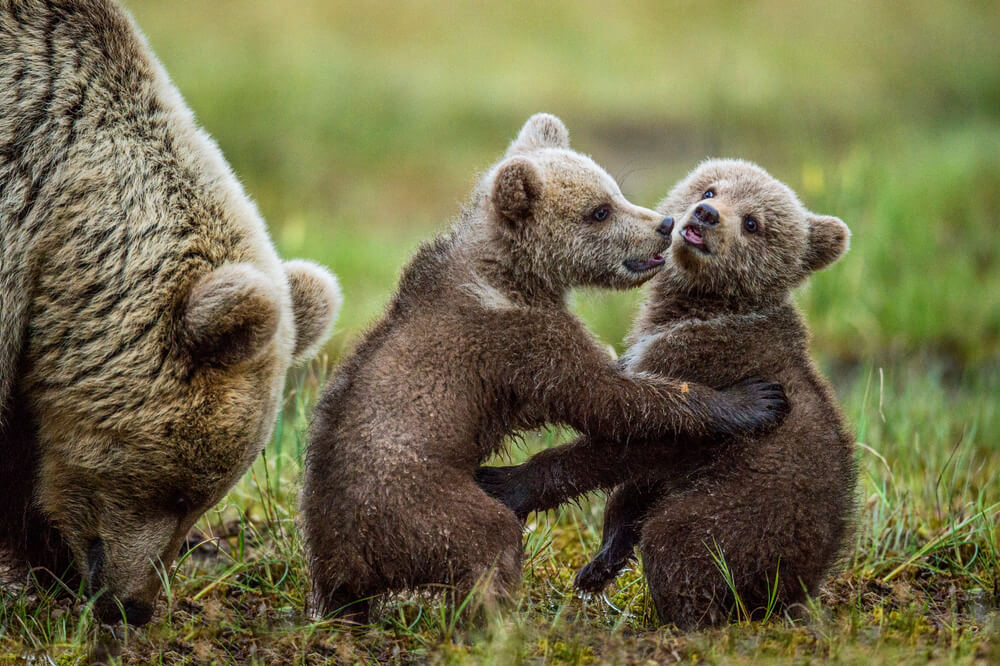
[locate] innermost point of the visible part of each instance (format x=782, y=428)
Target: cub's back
x=409, y=391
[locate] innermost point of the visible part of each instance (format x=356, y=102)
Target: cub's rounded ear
x=543, y=130
x=517, y=187
x=829, y=238
x=230, y=316
x=316, y=298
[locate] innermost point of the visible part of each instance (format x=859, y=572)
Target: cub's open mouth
x=643, y=265
x=692, y=236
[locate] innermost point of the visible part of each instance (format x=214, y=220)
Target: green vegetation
x=359, y=128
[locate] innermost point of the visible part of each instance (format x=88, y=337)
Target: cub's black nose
x=666, y=226
x=706, y=214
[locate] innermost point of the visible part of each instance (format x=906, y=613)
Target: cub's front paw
x=503, y=485
x=755, y=407
x=595, y=575
x=494, y=481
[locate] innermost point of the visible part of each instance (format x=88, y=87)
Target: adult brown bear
x=146, y=323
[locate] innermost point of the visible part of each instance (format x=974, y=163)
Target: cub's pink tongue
x=693, y=236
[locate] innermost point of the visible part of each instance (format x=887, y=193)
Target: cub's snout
x=706, y=214
x=666, y=228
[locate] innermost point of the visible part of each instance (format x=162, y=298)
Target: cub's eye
x=709, y=193
x=601, y=213
x=750, y=224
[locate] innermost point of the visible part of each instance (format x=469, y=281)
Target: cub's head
x=171, y=424
x=566, y=219
x=741, y=234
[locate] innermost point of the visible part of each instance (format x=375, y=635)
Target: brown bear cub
x=476, y=344
x=776, y=507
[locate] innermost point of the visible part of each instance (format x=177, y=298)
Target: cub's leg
x=623, y=515
x=551, y=477
x=437, y=530
x=343, y=583
x=352, y=607
x=475, y=543
x=562, y=473
x=685, y=529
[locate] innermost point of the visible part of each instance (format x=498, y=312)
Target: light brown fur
x=477, y=344
x=777, y=506
x=146, y=323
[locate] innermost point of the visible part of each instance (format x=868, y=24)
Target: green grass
x=360, y=127
x=920, y=578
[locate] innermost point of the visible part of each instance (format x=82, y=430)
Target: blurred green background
x=359, y=128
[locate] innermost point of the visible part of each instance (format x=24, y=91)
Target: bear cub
x=476, y=344
x=777, y=506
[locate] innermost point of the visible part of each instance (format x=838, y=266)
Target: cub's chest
x=715, y=352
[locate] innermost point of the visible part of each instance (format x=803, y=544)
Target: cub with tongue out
x=776, y=507
x=476, y=344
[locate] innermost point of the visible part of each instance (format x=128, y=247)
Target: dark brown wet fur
x=776, y=507
x=477, y=344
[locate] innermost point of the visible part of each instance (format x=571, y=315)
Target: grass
x=919, y=581
x=359, y=127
